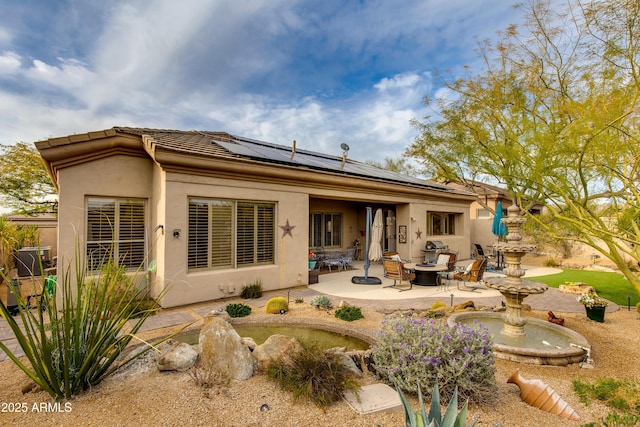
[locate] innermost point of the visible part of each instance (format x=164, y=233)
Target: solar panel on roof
x=281, y=154
x=240, y=150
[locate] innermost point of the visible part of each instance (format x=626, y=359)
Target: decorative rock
x=224, y=351
x=582, y=288
x=362, y=359
x=346, y=360
x=220, y=312
x=249, y=342
x=275, y=347
x=464, y=306
x=178, y=358
x=343, y=303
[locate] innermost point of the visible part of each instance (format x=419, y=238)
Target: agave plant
x=72, y=340
x=420, y=417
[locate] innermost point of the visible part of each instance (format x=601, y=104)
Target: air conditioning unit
x=31, y=260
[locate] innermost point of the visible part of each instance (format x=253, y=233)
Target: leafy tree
x=399, y=165
x=553, y=116
x=25, y=184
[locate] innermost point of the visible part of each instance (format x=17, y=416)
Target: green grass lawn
x=611, y=286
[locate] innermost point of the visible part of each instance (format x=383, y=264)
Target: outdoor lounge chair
x=472, y=274
x=447, y=259
x=394, y=269
x=478, y=252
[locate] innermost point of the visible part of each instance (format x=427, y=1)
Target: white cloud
x=398, y=81
x=277, y=71
x=10, y=63
x=71, y=75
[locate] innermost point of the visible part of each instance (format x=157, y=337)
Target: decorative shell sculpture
x=541, y=396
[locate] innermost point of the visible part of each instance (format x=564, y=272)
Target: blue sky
x=319, y=72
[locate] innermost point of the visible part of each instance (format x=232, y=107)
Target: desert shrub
x=252, y=291
x=313, y=375
x=299, y=300
x=349, y=313
x=618, y=394
x=276, y=304
x=551, y=262
x=423, y=351
x=435, y=314
x=438, y=305
x=122, y=284
x=238, y=310
x=321, y=301
x=209, y=376
x=79, y=343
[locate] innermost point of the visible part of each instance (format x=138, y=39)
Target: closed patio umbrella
x=498, y=228
x=375, y=250
x=366, y=280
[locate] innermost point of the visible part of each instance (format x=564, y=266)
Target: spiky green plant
x=252, y=291
x=276, y=304
x=434, y=418
x=78, y=344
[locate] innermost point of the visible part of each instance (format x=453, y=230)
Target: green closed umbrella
x=498, y=228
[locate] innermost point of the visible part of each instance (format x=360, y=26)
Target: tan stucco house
x=481, y=211
x=216, y=211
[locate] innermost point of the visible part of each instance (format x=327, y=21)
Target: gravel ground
x=142, y=396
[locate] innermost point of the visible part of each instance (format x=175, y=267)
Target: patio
x=338, y=285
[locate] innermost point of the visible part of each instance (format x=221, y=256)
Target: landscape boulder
x=275, y=347
x=179, y=357
x=346, y=360
x=223, y=350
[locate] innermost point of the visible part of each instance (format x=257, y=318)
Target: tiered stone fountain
x=513, y=288
x=517, y=338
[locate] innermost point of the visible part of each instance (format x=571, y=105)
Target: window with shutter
x=228, y=234
x=115, y=228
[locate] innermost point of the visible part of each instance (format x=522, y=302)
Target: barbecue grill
x=432, y=249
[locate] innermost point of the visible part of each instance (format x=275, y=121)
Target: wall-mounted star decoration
x=418, y=234
x=287, y=229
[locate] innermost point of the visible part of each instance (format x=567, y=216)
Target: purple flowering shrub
x=412, y=351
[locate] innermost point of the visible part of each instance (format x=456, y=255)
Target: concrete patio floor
x=338, y=285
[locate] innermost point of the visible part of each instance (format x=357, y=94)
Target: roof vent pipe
x=345, y=149
x=293, y=149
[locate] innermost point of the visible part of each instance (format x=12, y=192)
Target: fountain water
x=516, y=337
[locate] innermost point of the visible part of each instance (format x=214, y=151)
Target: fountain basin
x=543, y=344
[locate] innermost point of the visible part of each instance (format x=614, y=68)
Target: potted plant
x=312, y=260
x=594, y=305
